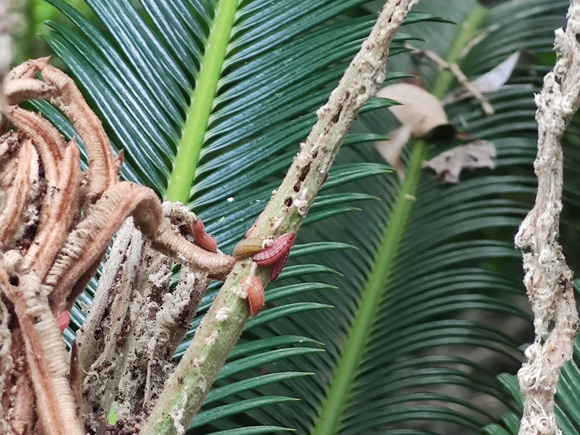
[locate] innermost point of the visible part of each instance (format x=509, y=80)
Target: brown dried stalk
x=548, y=279
x=44, y=348
x=135, y=325
x=6, y=359
x=55, y=225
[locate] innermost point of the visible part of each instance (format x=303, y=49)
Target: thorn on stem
x=276, y=251
x=248, y=247
x=203, y=239
x=254, y=289
x=63, y=320
x=279, y=266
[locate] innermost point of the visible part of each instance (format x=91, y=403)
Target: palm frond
x=145, y=75
x=430, y=259
x=442, y=258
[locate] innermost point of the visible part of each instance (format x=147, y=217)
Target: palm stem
x=470, y=28
x=330, y=418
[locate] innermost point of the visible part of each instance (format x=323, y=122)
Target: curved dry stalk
x=20, y=406
x=66, y=96
x=13, y=211
x=20, y=84
x=9, y=142
x=22, y=411
x=49, y=143
x=58, y=212
x=45, y=352
x=86, y=243
x=548, y=279
x=60, y=90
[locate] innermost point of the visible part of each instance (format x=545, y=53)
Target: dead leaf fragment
x=448, y=165
x=391, y=149
x=497, y=77
x=419, y=110
x=420, y=114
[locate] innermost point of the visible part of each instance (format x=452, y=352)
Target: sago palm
x=391, y=316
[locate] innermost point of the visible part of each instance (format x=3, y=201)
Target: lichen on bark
x=548, y=279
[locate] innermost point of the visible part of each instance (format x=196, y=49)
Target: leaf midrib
x=330, y=418
x=200, y=109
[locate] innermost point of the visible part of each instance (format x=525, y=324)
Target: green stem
x=187, y=387
x=337, y=397
x=183, y=174
x=347, y=369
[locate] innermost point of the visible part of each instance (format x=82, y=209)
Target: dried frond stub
x=59, y=221
x=548, y=279
x=276, y=251
x=254, y=289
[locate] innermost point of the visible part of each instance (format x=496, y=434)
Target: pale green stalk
x=187, y=158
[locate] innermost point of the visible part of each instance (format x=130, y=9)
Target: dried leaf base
x=136, y=323
x=56, y=223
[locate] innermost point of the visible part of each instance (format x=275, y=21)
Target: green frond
x=211, y=90
x=250, y=384
x=433, y=265
x=444, y=265
x=238, y=407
